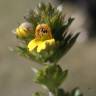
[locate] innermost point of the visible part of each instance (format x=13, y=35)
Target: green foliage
x=51, y=76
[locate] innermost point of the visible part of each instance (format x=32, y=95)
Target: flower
x=24, y=30
x=43, y=38
x=40, y=45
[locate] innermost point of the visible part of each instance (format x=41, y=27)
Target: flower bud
x=24, y=30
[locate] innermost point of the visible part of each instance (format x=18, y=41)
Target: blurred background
x=15, y=71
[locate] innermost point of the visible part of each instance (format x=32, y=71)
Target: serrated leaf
x=52, y=73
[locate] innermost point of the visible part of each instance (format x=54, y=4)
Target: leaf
x=70, y=20
x=52, y=73
x=22, y=50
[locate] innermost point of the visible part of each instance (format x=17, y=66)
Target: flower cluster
x=45, y=34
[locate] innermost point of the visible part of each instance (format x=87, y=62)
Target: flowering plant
x=45, y=39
